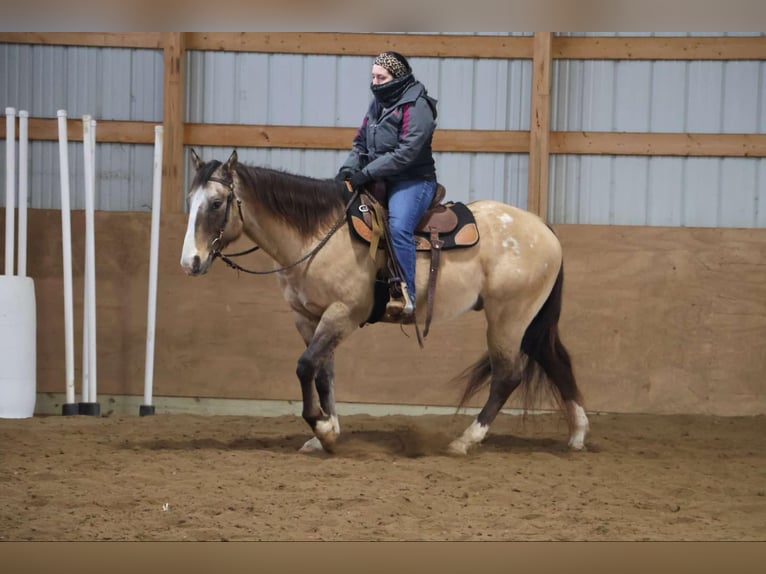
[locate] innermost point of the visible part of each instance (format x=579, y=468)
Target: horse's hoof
x=577, y=441
x=576, y=445
x=311, y=445
x=327, y=434
x=458, y=447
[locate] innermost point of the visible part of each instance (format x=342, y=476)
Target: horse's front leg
x=316, y=370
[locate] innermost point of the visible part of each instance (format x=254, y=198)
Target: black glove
x=344, y=173
x=358, y=179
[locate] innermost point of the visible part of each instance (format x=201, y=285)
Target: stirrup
x=409, y=304
x=403, y=307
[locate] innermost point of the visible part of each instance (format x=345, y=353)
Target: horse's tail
x=544, y=353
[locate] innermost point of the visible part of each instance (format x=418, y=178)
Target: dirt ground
x=185, y=477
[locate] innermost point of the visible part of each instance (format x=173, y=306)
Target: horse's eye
x=216, y=204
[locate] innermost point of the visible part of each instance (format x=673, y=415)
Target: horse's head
x=214, y=216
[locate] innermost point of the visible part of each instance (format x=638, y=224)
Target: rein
x=226, y=258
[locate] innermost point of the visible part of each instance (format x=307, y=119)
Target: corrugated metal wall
x=277, y=89
x=659, y=96
x=108, y=84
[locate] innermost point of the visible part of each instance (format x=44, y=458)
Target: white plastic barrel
x=18, y=347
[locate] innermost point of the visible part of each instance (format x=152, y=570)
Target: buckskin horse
x=514, y=273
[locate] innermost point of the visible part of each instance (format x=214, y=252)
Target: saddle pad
x=465, y=233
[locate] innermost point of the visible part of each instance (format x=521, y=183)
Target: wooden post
x=539, y=125
x=174, y=49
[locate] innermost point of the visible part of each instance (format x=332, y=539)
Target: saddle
x=449, y=225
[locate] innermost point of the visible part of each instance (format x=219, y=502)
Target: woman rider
x=394, y=145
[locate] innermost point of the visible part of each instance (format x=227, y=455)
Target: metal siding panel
x=740, y=97
x=596, y=175
x=252, y=95
x=665, y=191
x=760, y=195
x=703, y=108
x=454, y=172
x=114, y=84
x=491, y=104
x=219, y=88
x=738, y=192
x=287, y=159
x=320, y=91
x=195, y=85
x=321, y=163
x=429, y=72
x=629, y=191
x=455, y=94
x=146, y=69
x=487, y=177
x=352, y=88
x=520, y=88
x=701, y=192
x=518, y=167
x=285, y=90
x=761, y=113
x=598, y=96
x=632, y=84
x=668, y=95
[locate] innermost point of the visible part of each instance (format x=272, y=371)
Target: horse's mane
x=305, y=203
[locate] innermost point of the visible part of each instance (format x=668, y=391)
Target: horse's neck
x=283, y=241
x=276, y=238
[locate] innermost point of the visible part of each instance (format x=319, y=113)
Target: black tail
x=545, y=355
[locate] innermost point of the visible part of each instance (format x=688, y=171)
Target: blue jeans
x=407, y=202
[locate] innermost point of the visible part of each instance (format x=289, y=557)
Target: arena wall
x=658, y=320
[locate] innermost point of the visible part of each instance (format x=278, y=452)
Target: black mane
x=303, y=202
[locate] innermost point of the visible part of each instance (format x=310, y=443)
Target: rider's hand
x=359, y=178
x=344, y=173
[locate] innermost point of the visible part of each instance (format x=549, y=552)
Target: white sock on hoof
x=311, y=445
x=474, y=434
x=328, y=430
x=580, y=427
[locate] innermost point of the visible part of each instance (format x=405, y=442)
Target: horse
x=514, y=274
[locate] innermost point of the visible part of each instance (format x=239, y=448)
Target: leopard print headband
x=394, y=65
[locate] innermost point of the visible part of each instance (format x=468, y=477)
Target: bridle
x=216, y=243
x=226, y=257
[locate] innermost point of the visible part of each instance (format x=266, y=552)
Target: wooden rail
x=435, y=46
x=470, y=141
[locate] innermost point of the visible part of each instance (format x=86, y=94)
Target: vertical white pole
x=66, y=242
x=92, y=272
x=23, y=190
x=153, y=264
x=89, y=295
x=87, y=158
x=10, y=187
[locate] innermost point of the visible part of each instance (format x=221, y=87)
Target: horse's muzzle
x=196, y=267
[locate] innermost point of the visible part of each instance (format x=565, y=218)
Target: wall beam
x=539, y=124
x=174, y=90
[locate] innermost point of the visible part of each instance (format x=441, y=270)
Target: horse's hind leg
x=578, y=424
x=557, y=366
x=505, y=378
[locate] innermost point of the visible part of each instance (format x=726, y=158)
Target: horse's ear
x=196, y=160
x=231, y=163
